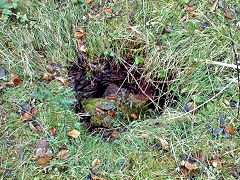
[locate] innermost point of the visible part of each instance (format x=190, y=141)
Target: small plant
x=7, y=8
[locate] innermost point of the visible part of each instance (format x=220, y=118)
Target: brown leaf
x=108, y=10
x=112, y=113
x=214, y=6
x=216, y=162
x=189, y=8
x=134, y=116
x=190, y=166
x=228, y=15
x=88, y=1
x=164, y=143
x=43, y=144
x=96, y=162
x=15, y=79
x=26, y=116
x=42, y=156
x=63, y=154
x=52, y=131
x=114, y=134
x=50, y=68
x=122, y=107
x=73, y=133
x=229, y=129
x=33, y=111
x=35, y=125
x=62, y=80
x=78, y=35
x=200, y=156
x=47, y=77
x=43, y=160
x=184, y=170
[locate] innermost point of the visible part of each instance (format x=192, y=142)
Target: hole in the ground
x=111, y=94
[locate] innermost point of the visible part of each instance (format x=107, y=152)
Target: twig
x=216, y=63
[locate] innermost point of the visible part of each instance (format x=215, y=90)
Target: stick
x=216, y=63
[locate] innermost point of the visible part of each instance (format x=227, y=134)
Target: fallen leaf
x=235, y=172
x=216, y=162
x=228, y=15
x=26, y=116
x=229, y=129
x=15, y=79
x=43, y=144
x=2, y=73
x=134, y=116
x=35, y=125
x=43, y=155
x=200, y=156
x=50, y=68
x=112, y=113
x=192, y=14
x=114, y=134
x=164, y=143
x=52, y=131
x=122, y=107
x=78, y=35
x=233, y=103
x=96, y=162
x=217, y=131
x=25, y=107
x=63, y=154
x=62, y=80
x=184, y=170
x=88, y=1
x=47, y=77
x=73, y=133
x=203, y=26
x=108, y=10
x=33, y=110
x=190, y=106
x=43, y=160
x=190, y=166
x=214, y=6
x=189, y=8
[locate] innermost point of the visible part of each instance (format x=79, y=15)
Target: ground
x=163, y=37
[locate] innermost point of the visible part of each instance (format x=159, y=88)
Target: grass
x=135, y=31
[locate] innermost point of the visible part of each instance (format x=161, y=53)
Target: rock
x=110, y=104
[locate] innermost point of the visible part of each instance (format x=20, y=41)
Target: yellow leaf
x=96, y=162
x=63, y=154
x=73, y=133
